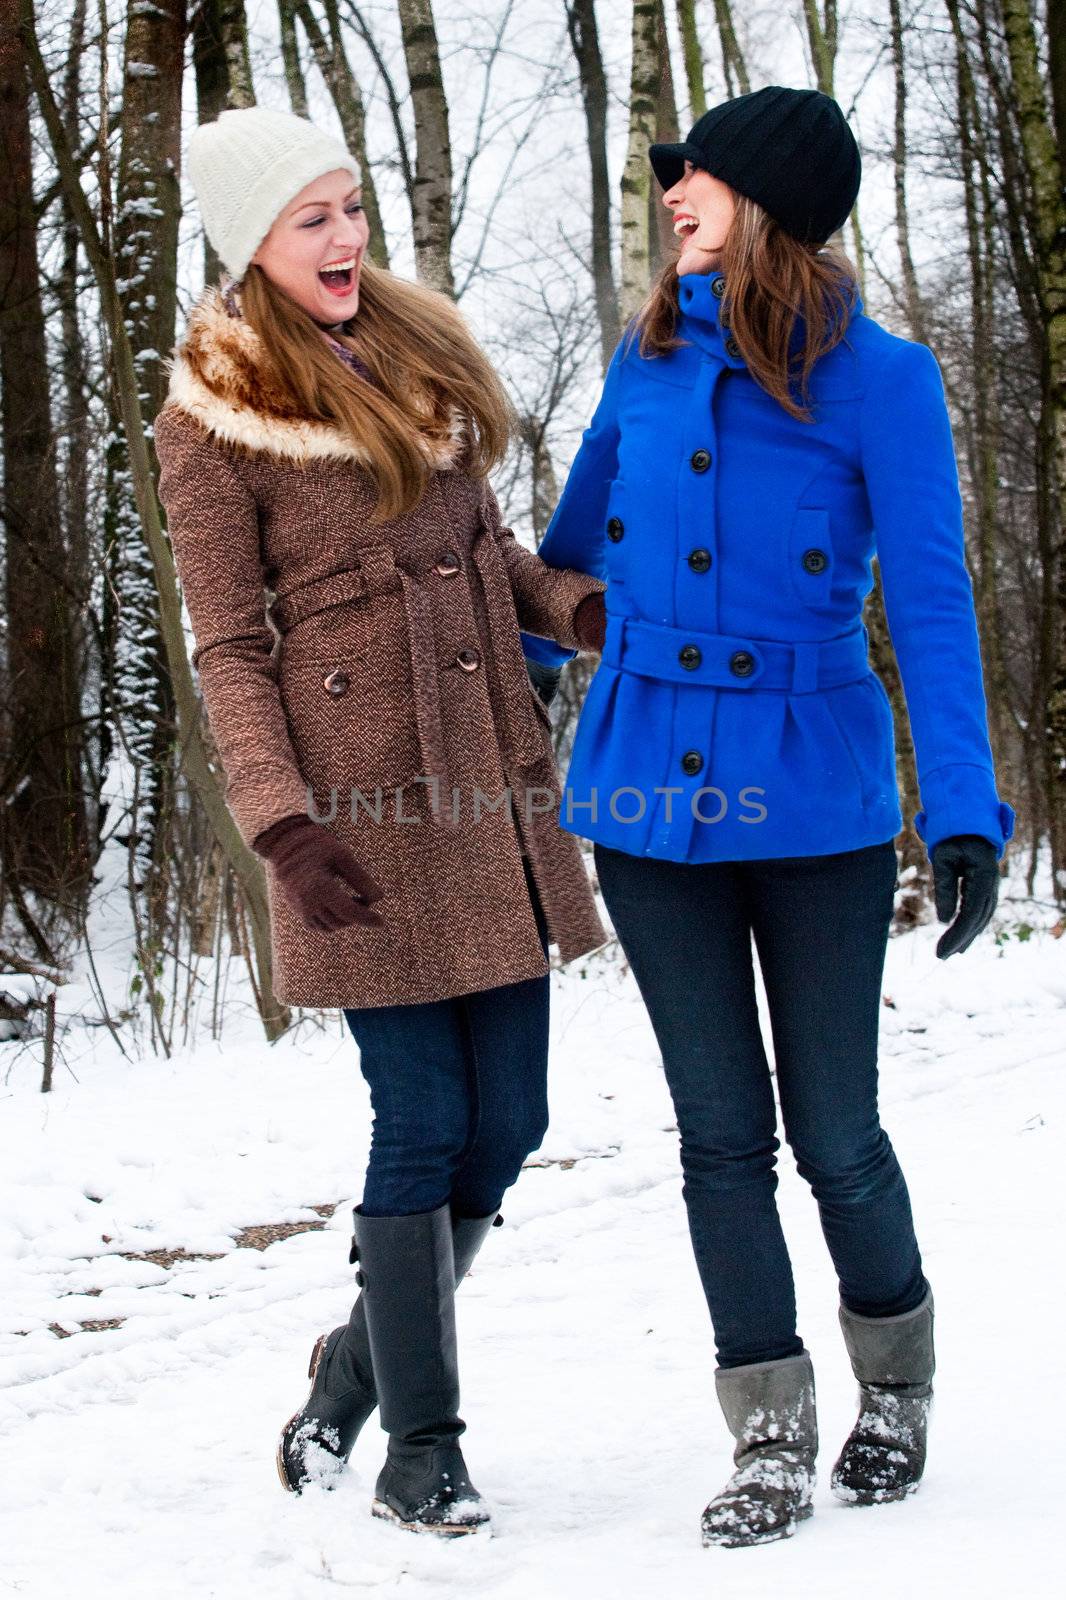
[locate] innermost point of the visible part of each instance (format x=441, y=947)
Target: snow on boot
x=769, y=1408
x=409, y=1288
x=317, y=1440
x=892, y=1357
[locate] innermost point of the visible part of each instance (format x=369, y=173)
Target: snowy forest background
x=514, y=177
x=175, y=1206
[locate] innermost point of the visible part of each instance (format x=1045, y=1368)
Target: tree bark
x=42, y=803
x=734, y=66
x=332, y=62
x=1040, y=155
x=661, y=241
x=690, y=46
x=636, y=178
x=208, y=787
x=431, y=205
x=584, y=37
x=223, y=71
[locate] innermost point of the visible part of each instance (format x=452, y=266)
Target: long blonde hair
x=771, y=279
x=431, y=381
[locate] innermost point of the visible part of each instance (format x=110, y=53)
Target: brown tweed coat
x=388, y=663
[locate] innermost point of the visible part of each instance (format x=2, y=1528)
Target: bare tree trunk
x=403, y=155
x=980, y=244
x=636, y=178
x=661, y=241
x=223, y=71
x=1039, y=151
x=822, y=38
x=145, y=249
x=208, y=787
x=733, y=63
x=42, y=806
x=544, y=485
x=332, y=62
x=911, y=296
x=1056, y=32
x=581, y=22
x=690, y=45
x=431, y=206
x=290, y=58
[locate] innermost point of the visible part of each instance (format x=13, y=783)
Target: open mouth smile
x=339, y=277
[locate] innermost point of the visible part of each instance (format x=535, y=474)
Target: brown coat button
x=336, y=682
x=469, y=659
x=700, y=460
x=448, y=565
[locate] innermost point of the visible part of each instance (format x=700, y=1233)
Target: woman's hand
x=590, y=623
x=319, y=875
x=971, y=859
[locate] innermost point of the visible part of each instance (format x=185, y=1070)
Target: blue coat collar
x=699, y=296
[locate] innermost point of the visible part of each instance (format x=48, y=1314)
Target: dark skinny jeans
x=820, y=925
x=459, y=1093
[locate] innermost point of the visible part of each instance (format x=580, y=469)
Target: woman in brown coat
x=327, y=437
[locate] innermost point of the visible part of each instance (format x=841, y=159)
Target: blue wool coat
x=734, y=714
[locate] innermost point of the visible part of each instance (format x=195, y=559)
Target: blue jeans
x=459, y=1093
x=820, y=925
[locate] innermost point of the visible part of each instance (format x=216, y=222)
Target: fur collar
x=216, y=376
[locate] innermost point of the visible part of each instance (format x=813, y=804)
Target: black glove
x=545, y=680
x=971, y=858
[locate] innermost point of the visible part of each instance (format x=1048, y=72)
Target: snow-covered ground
x=138, y=1459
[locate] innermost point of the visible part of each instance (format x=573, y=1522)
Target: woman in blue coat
x=758, y=441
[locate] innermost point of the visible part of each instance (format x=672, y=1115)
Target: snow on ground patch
x=138, y=1452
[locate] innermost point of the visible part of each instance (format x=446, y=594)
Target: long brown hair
x=432, y=383
x=771, y=279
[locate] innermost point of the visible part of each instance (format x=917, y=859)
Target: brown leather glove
x=590, y=622
x=319, y=875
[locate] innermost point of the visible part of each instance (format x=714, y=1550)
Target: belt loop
x=805, y=667
x=613, y=641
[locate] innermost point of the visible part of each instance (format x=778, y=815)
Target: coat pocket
x=862, y=715
x=810, y=559
x=349, y=704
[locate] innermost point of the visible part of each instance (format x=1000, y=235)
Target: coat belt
x=726, y=661
x=378, y=572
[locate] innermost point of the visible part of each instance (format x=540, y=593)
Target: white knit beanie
x=247, y=166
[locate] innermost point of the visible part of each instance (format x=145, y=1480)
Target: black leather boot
x=342, y=1394
x=409, y=1287
x=884, y=1455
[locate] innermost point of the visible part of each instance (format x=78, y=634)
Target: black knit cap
x=790, y=150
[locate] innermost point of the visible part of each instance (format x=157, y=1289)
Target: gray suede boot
x=892, y=1357
x=343, y=1394
x=769, y=1407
